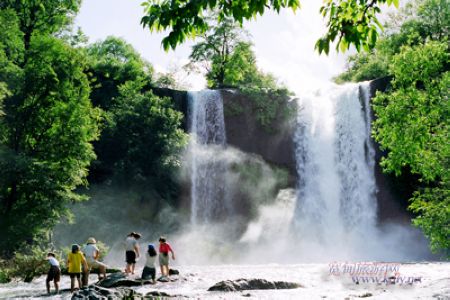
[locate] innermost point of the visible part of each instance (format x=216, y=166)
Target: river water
x=318, y=282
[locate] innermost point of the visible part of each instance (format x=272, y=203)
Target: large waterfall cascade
x=333, y=212
x=336, y=200
x=208, y=139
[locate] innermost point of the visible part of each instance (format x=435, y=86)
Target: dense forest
x=76, y=115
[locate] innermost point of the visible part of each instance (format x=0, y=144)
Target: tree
x=242, y=71
x=173, y=78
x=46, y=142
x=11, y=51
x=412, y=124
x=41, y=16
x=226, y=54
x=113, y=62
x=143, y=140
x=417, y=22
x=215, y=48
x=231, y=62
x=350, y=22
x=48, y=125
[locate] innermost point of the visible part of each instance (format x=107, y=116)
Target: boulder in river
x=157, y=295
x=94, y=292
x=252, y=284
x=121, y=280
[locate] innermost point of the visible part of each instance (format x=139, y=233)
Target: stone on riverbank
x=252, y=284
x=173, y=272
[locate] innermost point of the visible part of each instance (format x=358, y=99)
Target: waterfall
x=208, y=140
x=336, y=201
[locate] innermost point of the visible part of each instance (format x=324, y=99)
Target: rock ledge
x=252, y=284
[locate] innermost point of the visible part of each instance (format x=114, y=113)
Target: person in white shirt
x=131, y=251
x=54, y=273
x=92, y=254
x=149, y=269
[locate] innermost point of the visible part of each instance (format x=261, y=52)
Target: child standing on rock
x=74, y=262
x=54, y=273
x=149, y=269
x=164, y=249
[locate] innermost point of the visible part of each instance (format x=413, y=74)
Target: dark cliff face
x=243, y=130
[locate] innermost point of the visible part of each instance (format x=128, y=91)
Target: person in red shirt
x=164, y=249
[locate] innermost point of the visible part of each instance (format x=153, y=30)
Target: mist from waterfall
x=208, y=171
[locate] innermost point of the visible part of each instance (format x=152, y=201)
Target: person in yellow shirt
x=74, y=261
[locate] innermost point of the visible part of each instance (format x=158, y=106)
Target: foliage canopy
x=216, y=48
x=48, y=123
x=143, y=141
x=414, y=24
x=350, y=22
x=46, y=134
x=413, y=125
x=113, y=62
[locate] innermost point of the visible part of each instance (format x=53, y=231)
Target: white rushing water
x=208, y=173
x=333, y=213
x=335, y=161
x=318, y=283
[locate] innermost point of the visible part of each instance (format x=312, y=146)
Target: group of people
x=80, y=263
x=132, y=254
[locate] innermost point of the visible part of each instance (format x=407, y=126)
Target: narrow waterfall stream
x=208, y=138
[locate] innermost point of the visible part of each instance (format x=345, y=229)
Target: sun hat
x=91, y=240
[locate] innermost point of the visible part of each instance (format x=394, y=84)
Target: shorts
x=163, y=259
x=130, y=257
x=95, y=264
x=54, y=274
x=73, y=275
x=148, y=273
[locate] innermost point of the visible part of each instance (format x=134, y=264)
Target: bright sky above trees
x=284, y=44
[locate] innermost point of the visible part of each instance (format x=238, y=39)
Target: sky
x=283, y=43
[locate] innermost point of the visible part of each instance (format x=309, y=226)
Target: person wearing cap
x=92, y=254
x=74, y=261
x=164, y=249
x=131, y=251
x=149, y=269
